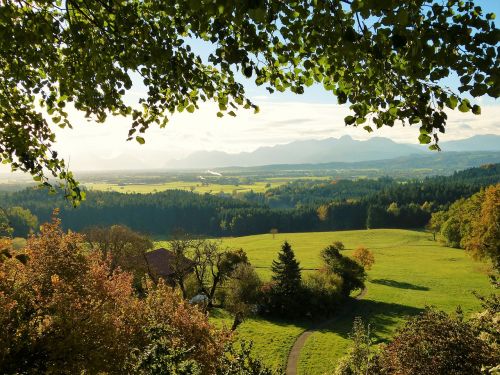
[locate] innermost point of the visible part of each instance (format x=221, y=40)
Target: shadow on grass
x=398, y=284
x=382, y=317
x=219, y=313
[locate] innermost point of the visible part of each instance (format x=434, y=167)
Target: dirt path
x=293, y=356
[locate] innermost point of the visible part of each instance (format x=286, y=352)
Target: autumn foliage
x=66, y=310
x=364, y=257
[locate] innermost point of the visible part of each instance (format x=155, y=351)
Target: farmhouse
x=166, y=264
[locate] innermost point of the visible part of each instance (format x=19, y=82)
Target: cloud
x=277, y=123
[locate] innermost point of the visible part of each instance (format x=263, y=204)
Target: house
x=167, y=265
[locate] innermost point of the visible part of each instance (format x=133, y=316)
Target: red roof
x=164, y=263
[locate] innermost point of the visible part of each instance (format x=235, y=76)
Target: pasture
x=210, y=186
x=411, y=271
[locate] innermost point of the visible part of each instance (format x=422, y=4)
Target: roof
x=162, y=262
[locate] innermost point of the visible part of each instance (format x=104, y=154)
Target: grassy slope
x=411, y=271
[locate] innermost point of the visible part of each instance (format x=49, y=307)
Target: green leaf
x=349, y=120
x=464, y=106
x=424, y=139
x=190, y=108
x=140, y=140
x=476, y=109
x=452, y=102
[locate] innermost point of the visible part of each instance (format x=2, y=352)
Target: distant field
x=411, y=271
x=197, y=186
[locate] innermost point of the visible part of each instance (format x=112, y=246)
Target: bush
x=322, y=291
x=243, y=290
x=435, y=343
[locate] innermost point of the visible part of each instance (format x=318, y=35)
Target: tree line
x=338, y=205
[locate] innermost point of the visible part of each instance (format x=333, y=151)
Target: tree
x=484, y=238
x=352, y=273
x=213, y=266
x=274, y=232
x=242, y=292
x=286, y=271
x=436, y=343
x=5, y=228
x=364, y=257
x=437, y=220
x=126, y=248
x=22, y=221
x=386, y=59
x=473, y=224
x=63, y=309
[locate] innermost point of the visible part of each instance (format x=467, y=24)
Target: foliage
x=243, y=290
x=364, y=257
x=436, y=343
x=437, y=220
x=295, y=211
x=484, y=239
x=322, y=291
x=361, y=359
x=5, y=228
x=282, y=296
x=125, y=248
x=65, y=309
x=352, y=274
x=286, y=271
x=22, y=221
x=473, y=224
x=213, y=266
x=386, y=59
x=159, y=357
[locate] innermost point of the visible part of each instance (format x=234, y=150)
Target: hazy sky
x=283, y=118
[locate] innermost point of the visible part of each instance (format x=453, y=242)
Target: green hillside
x=411, y=271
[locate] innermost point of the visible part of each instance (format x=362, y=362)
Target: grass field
x=197, y=186
x=411, y=271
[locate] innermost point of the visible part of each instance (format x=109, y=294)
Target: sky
x=283, y=118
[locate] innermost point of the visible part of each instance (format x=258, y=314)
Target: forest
x=301, y=206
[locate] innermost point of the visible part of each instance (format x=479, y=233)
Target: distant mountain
x=435, y=163
x=344, y=149
x=484, y=142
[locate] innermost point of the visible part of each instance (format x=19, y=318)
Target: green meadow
x=197, y=187
x=411, y=271
x=210, y=186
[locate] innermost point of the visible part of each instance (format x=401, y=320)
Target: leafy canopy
x=387, y=58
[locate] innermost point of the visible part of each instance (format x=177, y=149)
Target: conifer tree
x=286, y=271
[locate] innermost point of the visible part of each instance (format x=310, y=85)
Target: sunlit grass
x=411, y=271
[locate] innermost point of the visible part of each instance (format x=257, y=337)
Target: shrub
x=243, y=290
x=435, y=343
x=361, y=359
x=322, y=291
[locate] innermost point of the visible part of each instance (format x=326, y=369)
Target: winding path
x=293, y=356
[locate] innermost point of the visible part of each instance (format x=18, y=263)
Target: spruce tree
x=286, y=271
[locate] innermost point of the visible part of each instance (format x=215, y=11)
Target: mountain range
x=340, y=150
